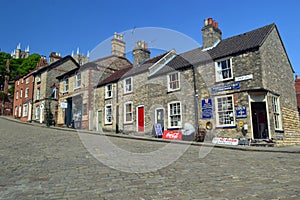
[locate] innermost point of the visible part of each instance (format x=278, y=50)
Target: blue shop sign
x=207, y=110
x=241, y=112
x=224, y=87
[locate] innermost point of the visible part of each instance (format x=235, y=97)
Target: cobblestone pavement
x=43, y=163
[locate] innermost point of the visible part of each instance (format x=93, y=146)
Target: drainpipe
x=32, y=96
x=117, y=108
x=195, y=100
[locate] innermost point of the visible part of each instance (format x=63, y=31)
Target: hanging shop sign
x=224, y=87
x=207, y=110
x=241, y=112
x=172, y=135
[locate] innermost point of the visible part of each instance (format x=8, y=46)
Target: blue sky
x=64, y=25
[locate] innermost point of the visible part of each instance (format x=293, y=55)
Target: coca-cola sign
x=172, y=135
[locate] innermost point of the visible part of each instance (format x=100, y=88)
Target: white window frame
x=108, y=118
x=276, y=113
x=37, y=112
x=174, y=81
x=125, y=112
x=173, y=114
x=77, y=80
x=27, y=80
x=16, y=111
x=54, y=90
x=26, y=92
x=66, y=85
x=225, y=108
x=38, y=94
x=21, y=93
x=17, y=95
x=108, y=93
x=219, y=75
x=25, y=110
x=126, y=86
x=20, y=111
x=18, y=83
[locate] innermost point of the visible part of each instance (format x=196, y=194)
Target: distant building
x=18, y=53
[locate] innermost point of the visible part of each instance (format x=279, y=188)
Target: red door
x=141, y=122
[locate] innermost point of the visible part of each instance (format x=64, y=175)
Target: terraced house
x=76, y=96
x=240, y=86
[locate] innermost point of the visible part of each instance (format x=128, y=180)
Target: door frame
x=137, y=118
x=161, y=108
x=98, y=118
x=256, y=98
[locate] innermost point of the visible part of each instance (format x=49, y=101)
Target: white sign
x=228, y=141
x=64, y=105
x=243, y=78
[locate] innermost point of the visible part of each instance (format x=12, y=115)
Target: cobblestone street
x=43, y=163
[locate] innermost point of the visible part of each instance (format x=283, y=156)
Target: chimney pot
x=210, y=21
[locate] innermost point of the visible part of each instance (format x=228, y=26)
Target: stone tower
x=118, y=45
x=80, y=58
x=18, y=53
x=140, y=52
x=210, y=33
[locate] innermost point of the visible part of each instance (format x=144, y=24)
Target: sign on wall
x=207, y=109
x=224, y=87
x=241, y=111
x=64, y=105
x=243, y=78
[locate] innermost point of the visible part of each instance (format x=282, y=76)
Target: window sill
x=108, y=124
x=225, y=80
x=171, y=91
x=106, y=98
x=225, y=127
x=279, y=131
x=128, y=123
x=128, y=93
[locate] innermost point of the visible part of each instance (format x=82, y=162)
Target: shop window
x=108, y=114
x=174, y=81
x=128, y=111
x=174, y=114
x=224, y=70
x=224, y=111
x=108, y=91
x=128, y=85
x=277, y=114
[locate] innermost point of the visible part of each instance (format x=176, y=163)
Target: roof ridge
x=248, y=32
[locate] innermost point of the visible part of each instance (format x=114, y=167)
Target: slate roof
x=230, y=46
x=143, y=67
x=114, y=77
x=240, y=43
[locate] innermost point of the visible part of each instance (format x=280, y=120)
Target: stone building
x=297, y=88
x=78, y=101
x=45, y=95
x=241, y=86
x=18, y=53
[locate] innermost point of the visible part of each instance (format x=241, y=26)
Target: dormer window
x=224, y=70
